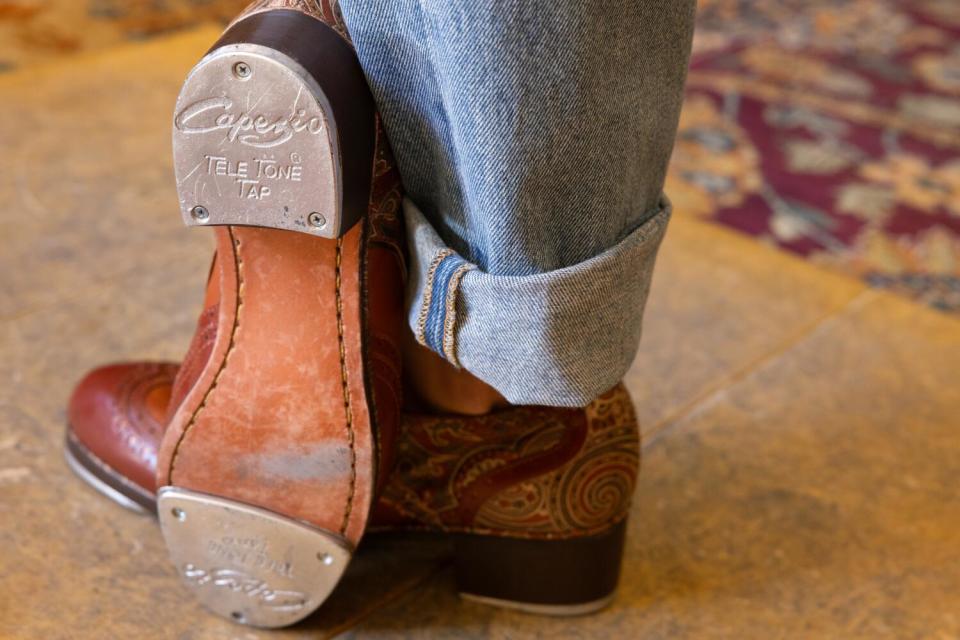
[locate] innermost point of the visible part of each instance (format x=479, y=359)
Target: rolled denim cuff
x=559, y=338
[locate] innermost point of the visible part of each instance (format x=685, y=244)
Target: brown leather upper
x=118, y=412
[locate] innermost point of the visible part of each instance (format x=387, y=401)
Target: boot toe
x=117, y=413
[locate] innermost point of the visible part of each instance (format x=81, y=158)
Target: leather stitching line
x=223, y=365
x=348, y=409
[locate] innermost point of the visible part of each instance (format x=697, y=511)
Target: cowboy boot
x=283, y=415
x=535, y=498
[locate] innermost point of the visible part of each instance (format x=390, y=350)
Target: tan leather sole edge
x=106, y=480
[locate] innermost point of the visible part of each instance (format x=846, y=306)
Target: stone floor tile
x=720, y=303
x=86, y=181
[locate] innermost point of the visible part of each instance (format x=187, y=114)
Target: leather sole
x=268, y=466
x=279, y=418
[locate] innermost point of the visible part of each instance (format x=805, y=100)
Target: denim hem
x=559, y=338
x=437, y=322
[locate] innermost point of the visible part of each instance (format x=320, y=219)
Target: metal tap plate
x=247, y=564
x=255, y=143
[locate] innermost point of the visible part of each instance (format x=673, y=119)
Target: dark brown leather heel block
x=275, y=127
x=553, y=577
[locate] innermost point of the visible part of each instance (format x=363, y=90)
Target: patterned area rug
x=829, y=128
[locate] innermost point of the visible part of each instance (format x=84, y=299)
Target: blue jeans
x=533, y=138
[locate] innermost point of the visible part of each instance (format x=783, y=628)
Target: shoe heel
x=248, y=564
x=547, y=577
x=258, y=126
